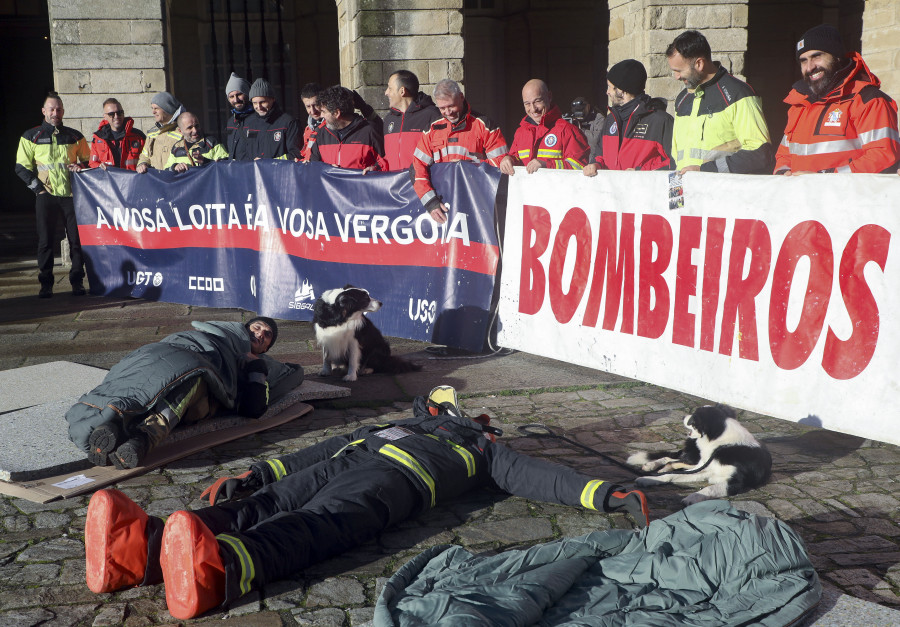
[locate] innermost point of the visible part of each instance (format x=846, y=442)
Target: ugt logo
x=424, y=310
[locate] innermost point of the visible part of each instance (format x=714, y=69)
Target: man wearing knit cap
x=719, y=123
x=544, y=139
x=838, y=121
x=272, y=133
x=158, y=147
x=637, y=133
x=237, y=90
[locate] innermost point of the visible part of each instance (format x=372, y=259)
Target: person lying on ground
x=184, y=378
x=319, y=502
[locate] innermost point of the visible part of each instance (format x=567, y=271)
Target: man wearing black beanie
x=839, y=120
x=637, y=133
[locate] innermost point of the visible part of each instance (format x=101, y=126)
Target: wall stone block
x=740, y=15
x=455, y=23
x=455, y=71
x=65, y=32
x=407, y=5
x=422, y=23
x=72, y=81
x=727, y=40
x=708, y=17
x=374, y=24
x=105, y=10
x=616, y=28
x=437, y=71
x=412, y=47
x=666, y=17
x=107, y=32
x=146, y=32
x=658, y=66
x=371, y=73
x=87, y=56
x=419, y=68
x=881, y=40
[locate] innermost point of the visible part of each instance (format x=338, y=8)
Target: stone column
x=881, y=43
x=643, y=29
x=378, y=37
x=106, y=48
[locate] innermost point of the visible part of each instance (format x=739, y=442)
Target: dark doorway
x=508, y=42
x=288, y=43
x=27, y=71
x=775, y=26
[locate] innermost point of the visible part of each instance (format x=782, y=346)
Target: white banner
x=772, y=294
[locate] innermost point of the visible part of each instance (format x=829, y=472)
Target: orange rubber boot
x=191, y=565
x=115, y=542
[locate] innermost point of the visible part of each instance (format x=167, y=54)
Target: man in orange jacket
x=460, y=135
x=544, y=139
x=839, y=121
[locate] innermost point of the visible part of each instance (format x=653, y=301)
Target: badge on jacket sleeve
x=550, y=140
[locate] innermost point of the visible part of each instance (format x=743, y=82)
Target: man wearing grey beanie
x=158, y=147
x=272, y=133
x=238, y=144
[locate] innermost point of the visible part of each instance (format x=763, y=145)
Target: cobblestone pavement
x=837, y=491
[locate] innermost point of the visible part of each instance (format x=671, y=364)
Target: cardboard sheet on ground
x=44, y=465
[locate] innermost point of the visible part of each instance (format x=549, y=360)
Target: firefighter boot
x=192, y=567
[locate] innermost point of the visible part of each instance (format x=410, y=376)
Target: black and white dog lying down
x=718, y=451
x=349, y=339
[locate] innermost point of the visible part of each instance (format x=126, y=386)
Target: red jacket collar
x=856, y=79
x=549, y=119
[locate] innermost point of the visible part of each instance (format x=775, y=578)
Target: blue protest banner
x=272, y=236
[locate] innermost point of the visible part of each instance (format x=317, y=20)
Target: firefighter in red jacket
x=839, y=121
x=544, y=139
x=411, y=114
x=346, y=139
x=637, y=132
x=116, y=143
x=460, y=135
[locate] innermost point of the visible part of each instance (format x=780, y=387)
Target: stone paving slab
x=34, y=442
x=33, y=385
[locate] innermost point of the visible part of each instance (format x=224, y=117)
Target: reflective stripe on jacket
x=43, y=154
x=130, y=146
x=556, y=143
x=197, y=154
x=474, y=138
x=852, y=128
x=720, y=127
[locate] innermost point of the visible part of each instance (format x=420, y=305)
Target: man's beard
x=821, y=87
x=693, y=80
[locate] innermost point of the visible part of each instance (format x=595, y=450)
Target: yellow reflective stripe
x=466, y=455
x=343, y=448
x=267, y=393
x=277, y=468
x=546, y=153
x=575, y=165
x=181, y=408
x=248, y=571
x=410, y=462
x=587, y=495
x=523, y=154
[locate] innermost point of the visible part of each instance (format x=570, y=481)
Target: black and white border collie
x=718, y=450
x=349, y=339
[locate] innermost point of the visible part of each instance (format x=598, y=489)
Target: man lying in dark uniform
x=319, y=502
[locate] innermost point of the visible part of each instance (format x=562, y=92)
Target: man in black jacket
x=319, y=502
x=273, y=133
x=237, y=142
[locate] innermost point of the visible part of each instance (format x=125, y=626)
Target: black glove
x=228, y=488
x=363, y=107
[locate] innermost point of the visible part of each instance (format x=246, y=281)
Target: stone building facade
x=134, y=48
